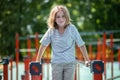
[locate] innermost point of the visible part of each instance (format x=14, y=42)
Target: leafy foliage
x=29, y=16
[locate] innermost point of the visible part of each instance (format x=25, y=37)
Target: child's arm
x=40, y=52
x=85, y=54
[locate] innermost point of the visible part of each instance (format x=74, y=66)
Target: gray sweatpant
x=63, y=71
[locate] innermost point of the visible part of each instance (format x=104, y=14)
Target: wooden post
x=17, y=54
x=104, y=53
x=97, y=68
x=5, y=68
x=98, y=77
x=98, y=56
x=36, y=44
x=90, y=52
x=26, y=67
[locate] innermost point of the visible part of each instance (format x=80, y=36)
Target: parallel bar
x=27, y=50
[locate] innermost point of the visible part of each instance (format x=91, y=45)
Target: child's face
x=60, y=19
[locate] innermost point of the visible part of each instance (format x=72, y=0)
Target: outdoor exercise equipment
x=97, y=68
x=101, y=52
x=26, y=67
x=17, y=54
x=35, y=70
x=28, y=50
x=5, y=63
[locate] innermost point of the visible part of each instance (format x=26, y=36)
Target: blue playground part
x=35, y=68
x=97, y=66
x=5, y=61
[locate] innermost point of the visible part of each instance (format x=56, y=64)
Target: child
x=63, y=36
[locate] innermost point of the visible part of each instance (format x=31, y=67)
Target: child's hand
x=87, y=63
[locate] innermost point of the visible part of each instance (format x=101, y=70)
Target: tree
x=30, y=16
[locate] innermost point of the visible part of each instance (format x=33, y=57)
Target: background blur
x=26, y=17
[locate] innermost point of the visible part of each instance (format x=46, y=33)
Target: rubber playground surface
x=83, y=72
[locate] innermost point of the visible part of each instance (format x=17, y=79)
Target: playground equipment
x=5, y=62
x=97, y=68
x=36, y=70
x=28, y=50
x=101, y=55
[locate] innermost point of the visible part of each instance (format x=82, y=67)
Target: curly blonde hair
x=51, y=20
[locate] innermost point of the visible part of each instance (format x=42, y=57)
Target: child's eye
x=60, y=16
x=63, y=16
x=57, y=16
